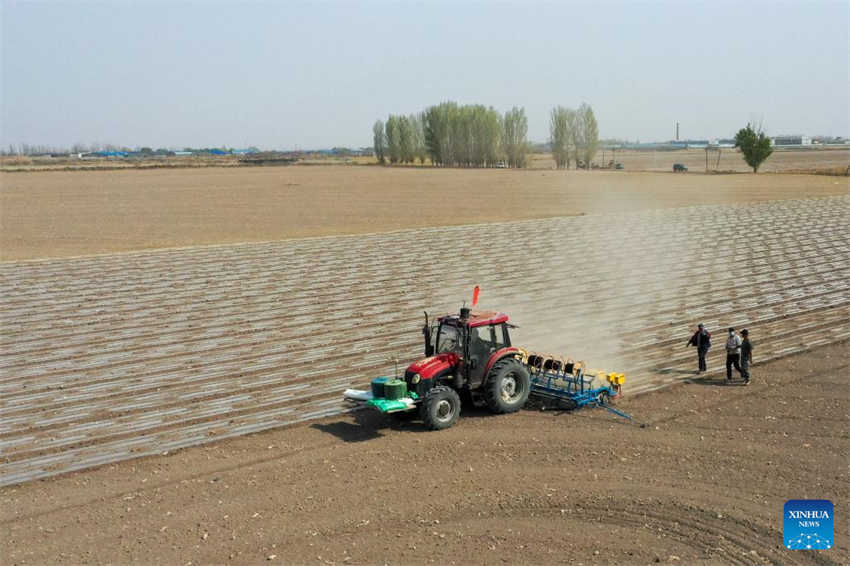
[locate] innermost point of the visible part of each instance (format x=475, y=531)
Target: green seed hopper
x=388, y=395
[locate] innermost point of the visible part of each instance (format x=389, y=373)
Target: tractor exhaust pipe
x=426, y=331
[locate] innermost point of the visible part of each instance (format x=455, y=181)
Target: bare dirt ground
x=60, y=214
x=703, y=483
x=118, y=356
x=106, y=357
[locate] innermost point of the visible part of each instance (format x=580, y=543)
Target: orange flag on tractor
x=475, y=293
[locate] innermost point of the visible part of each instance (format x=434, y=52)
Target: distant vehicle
x=680, y=168
x=501, y=165
x=619, y=166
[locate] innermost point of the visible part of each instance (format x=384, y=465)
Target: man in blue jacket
x=746, y=355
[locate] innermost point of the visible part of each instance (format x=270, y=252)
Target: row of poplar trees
x=573, y=134
x=453, y=135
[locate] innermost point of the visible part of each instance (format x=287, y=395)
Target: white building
x=791, y=140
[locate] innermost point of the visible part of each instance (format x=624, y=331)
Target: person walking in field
x=733, y=354
x=701, y=340
x=746, y=356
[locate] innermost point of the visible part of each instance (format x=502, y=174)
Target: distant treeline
x=96, y=148
x=453, y=135
x=77, y=148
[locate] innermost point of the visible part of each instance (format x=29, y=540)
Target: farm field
x=129, y=379
x=703, y=483
x=61, y=214
x=117, y=356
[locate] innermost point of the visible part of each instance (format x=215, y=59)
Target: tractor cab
x=471, y=339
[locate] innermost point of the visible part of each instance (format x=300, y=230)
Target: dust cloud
x=597, y=273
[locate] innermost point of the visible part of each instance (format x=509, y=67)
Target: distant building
x=110, y=154
x=791, y=140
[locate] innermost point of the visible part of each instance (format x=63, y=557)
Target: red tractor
x=468, y=354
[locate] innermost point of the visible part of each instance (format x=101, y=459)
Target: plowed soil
x=702, y=483
x=119, y=356
x=109, y=358
x=60, y=214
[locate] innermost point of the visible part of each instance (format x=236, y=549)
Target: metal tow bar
x=615, y=411
x=620, y=413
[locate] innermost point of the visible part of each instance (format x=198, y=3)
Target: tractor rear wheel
x=440, y=408
x=508, y=385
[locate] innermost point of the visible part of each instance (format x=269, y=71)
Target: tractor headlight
x=415, y=378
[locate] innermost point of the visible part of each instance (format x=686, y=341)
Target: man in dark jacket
x=746, y=355
x=702, y=341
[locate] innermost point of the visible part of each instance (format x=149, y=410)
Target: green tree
x=418, y=123
x=514, y=137
x=559, y=136
x=587, y=135
x=393, y=136
x=407, y=140
x=437, y=130
x=380, y=141
x=430, y=124
x=755, y=146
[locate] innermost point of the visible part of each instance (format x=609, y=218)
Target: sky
x=288, y=75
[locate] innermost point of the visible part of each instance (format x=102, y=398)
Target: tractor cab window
x=500, y=339
x=448, y=339
x=485, y=339
x=482, y=343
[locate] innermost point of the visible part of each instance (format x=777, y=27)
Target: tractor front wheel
x=440, y=408
x=508, y=385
